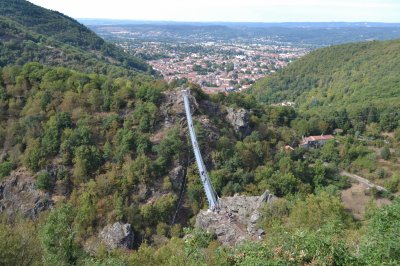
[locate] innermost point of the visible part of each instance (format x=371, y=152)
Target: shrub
x=176, y=230
x=385, y=153
x=393, y=184
x=86, y=161
x=34, y=156
x=57, y=237
x=380, y=245
x=43, y=181
x=162, y=229
x=5, y=169
x=316, y=211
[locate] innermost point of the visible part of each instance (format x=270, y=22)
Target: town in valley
x=207, y=57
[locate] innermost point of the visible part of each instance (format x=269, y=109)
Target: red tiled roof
x=322, y=137
x=316, y=138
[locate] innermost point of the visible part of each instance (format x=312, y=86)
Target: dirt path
x=362, y=180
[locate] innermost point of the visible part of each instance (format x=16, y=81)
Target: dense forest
x=81, y=150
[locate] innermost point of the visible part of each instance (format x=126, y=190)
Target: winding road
x=362, y=180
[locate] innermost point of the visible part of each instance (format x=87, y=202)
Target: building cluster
x=225, y=68
x=215, y=66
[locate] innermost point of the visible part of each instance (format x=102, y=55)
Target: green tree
x=57, y=237
x=124, y=143
x=385, y=153
x=317, y=211
x=329, y=152
x=141, y=170
x=43, y=181
x=52, y=132
x=5, y=169
x=34, y=156
x=168, y=148
x=380, y=245
x=283, y=184
x=19, y=244
x=72, y=139
x=87, y=160
x=148, y=92
x=85, y=219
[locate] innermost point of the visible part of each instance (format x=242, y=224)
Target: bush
x=385, y=153
x=34, y=156
x=397, y=134
x=5, y=169
x=87, y=160
x=393, y=184
x=162, y=229
x=317, y=211
x=43, y=181
x=380, y=245
x=176, y=230
x=18, y=245
x=57, y=237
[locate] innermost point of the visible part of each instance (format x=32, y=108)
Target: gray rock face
x=211, y=108
x=18, y=194
x=176, y=176
x=117, y=235
x=172, y=107
x=237, y=220
x=240, y=121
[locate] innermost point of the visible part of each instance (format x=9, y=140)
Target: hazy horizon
x=235, y=22
x=258, y=11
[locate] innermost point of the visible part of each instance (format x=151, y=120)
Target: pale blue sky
x=231, y=10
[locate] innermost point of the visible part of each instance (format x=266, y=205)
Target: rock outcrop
x=177, y=175
x=237, y=219
x=117, y=235
x=240, y=121
x=172, y=107
x=210, y=108
x=18, y=194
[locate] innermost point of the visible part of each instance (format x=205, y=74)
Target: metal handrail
x=213, y=202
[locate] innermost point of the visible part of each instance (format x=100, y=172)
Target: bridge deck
x=208, y=188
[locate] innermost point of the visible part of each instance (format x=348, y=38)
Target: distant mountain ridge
x=100, y=21
x=314, y=34
x=350, y=76
x=32, y=33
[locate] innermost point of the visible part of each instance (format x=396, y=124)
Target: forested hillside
x=95, y=150
x=96, y=167
x=353, y=76
x=31, y=33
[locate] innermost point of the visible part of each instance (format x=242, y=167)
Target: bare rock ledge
x=237, y=219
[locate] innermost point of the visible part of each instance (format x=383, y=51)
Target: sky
x=231, y=10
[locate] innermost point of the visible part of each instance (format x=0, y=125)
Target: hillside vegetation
x=83, y=150
x=352, y=76
x=31, y=33
x=92, y=143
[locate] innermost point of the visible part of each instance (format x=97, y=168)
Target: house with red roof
x=315, y=141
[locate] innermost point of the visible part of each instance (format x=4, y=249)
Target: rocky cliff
x=240, y=121
x=237, y=219
x=19, y=195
